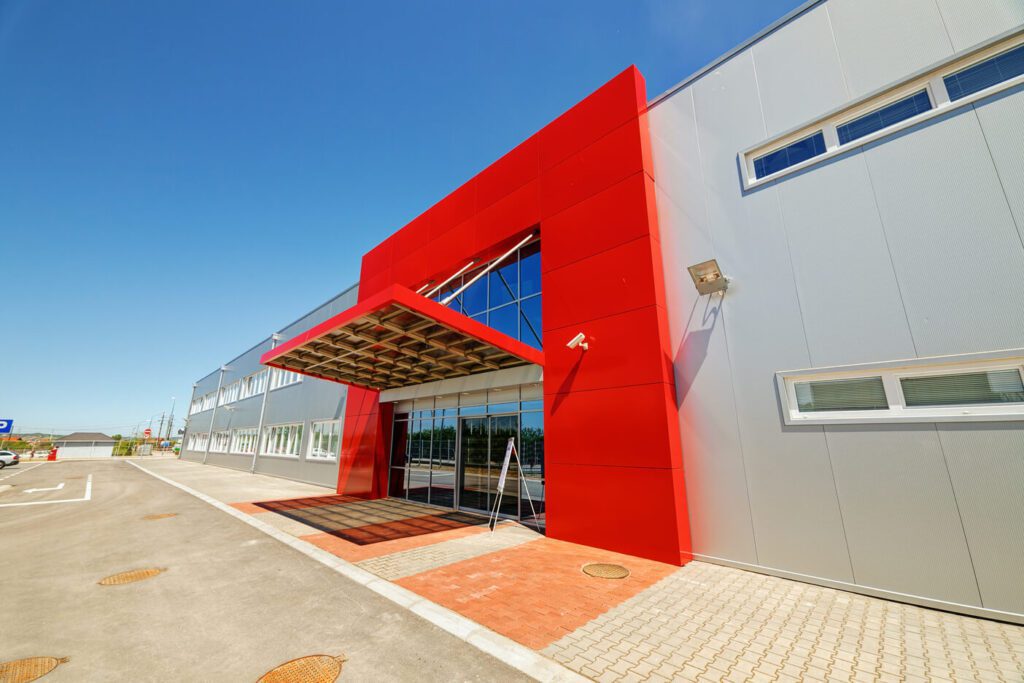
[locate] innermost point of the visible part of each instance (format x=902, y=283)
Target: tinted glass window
x=780, y=159
x=884, y=117
x=863, y=393
x=529, y=270
x=504, y=286
x=999, y=386
x=985, y=74
x=507, y=298
x=529, y=327
x=505, y=320
x=474, y=298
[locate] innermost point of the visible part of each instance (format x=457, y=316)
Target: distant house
x=85, y=445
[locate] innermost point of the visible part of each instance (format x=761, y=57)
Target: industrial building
x=771, y=318
x=85, y=445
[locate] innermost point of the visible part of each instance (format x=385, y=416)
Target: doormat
x=364, y=522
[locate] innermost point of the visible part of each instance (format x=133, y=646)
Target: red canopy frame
x=397, y=338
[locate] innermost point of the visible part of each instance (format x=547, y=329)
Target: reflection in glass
x=530, y=330
x=449, y=461
x=529, y=270
x=531, y=453
x=504, y=286
x=396, y=483
x=473, y=477
x=504, y=320
x=474, y=299
x=508, y=284
x=399, y=443
x=442, y=468
x=419, y=460
x=503, y=428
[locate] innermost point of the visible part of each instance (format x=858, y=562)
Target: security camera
x=578, y=341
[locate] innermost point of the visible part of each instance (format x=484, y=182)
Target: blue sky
x=179, y=179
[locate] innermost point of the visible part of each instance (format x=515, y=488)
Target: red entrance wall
x=613, y=457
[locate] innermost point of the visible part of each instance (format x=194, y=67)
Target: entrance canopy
x=398, y=338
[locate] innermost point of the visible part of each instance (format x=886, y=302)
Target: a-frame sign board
x=510, y=451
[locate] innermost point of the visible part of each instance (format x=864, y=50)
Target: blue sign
x=6, y=426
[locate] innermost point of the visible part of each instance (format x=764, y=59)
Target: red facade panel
x=614, y=472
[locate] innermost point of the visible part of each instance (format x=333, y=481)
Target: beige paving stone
x=417, y=560
x=726, y=624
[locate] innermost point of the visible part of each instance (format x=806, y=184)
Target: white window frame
x=295, y=447
x=220, y=442
x=202, y=403
x=253, y=385
x=229, y=393
x=244, y=440
x=198, y=441
x=891, y=373
x=315, y=436
x=279, y=379
x=929, y=80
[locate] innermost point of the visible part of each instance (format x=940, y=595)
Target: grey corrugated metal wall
x=872, y=256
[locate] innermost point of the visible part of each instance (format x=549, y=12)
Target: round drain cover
x=130, y=577
x=25, y=670
x=162, y=515
x=605, y=571
x=311, y=669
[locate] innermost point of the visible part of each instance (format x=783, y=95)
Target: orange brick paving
x=534, y=593
x=248, y=508
x=353, y=552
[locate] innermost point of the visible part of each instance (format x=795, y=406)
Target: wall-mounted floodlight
x=708, y=278
x=578, y=341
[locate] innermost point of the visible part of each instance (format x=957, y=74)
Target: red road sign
x=147, y=432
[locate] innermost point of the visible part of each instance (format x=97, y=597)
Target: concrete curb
x=503, y=649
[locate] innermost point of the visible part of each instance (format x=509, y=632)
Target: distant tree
x=116, y=437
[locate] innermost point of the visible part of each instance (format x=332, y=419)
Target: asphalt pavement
x=231, y=603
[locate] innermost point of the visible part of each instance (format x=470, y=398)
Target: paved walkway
x=710, y=623
x=701, y=622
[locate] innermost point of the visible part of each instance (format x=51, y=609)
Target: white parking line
x=87, y=496
x=21, y=471
x=58, y=487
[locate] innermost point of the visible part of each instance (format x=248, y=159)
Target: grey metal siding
x=910, y=247
x=970, y=22
x=792, y=493
x=306, y=402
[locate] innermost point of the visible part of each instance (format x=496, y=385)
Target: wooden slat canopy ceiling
x=397, y=339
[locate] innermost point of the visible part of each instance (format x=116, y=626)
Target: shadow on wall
x=693, y=350
x=563, y=390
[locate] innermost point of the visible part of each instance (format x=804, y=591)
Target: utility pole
x=170, y=420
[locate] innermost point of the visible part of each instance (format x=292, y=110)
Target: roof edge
x=756, y=38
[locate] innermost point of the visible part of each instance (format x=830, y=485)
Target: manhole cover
x=130, y=577
x=25, y=670
x=605, y=571
x=311, y=669
x=161, y=515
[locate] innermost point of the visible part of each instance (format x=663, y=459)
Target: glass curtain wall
x=448, y=450
x=508, y=298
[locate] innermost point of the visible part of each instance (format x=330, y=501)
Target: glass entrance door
x=473, y=464
x=482, y=444
x=450, y=454
x=503, y=427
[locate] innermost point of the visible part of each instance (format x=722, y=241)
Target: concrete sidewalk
x=701, y=622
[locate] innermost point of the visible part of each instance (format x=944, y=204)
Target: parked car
x=8, y=458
